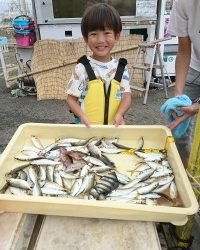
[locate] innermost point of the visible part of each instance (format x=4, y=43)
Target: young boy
x=99, y=90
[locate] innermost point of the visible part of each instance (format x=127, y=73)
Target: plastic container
x=25, y=40
x=29, y=27
x=154, y=137
x=22, y=21
x=23, y=32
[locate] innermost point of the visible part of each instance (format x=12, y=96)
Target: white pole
x=22, y=4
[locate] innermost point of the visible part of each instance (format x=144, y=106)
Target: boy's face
x=101, y=42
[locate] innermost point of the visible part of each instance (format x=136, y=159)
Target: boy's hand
x=118, y=120
x=84, y=120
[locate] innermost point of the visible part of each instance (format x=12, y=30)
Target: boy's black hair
x=100, y=16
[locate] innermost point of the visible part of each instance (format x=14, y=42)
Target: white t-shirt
x=184, y=21
x=104, y=71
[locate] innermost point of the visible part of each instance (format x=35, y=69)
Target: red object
x=25, y=40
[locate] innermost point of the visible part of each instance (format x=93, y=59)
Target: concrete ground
x=16, y=111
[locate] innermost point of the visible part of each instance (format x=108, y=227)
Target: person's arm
x=76, y=109
x=123, y=108
x=182, y=64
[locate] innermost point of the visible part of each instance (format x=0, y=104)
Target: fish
x=44, y=162
x=17, y=169
x=49, y=191
x=75, y=166
x=122, y=178
x=173, y=190
x=18, y=183
x=49, y=172
x=105, y=185
x=150, y=156
x=94, y=149
x=17, y=191
x=36, y=142
x=140, y=144
x=76, y=187
x=94, y=161
x=140, y=177
x=64, y=157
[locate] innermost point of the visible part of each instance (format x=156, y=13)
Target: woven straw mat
x=49, y=56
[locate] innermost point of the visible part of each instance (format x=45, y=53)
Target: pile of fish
x=79, y=168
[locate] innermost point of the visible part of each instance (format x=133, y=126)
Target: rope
x=195, y=183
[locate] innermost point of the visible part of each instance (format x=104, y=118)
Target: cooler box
x=154, y=137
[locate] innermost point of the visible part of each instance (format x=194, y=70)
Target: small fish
x=36, y=191
x=22, y=175
x=140, y=144
x=93, y=160
x=27, y=157
x=17, y=169
x=44, y=162
x=111, y=150
x=52, y=191
x=17, y=191
x=100, y=169
x=147, y=189
x=173, y=190
x=64, y=157
x=122, y=178
x=36, y=142
x=49, y=173
x=18, y=183
x=75, y=166
x=94, y=149
x=76, y=187
x=150, y=156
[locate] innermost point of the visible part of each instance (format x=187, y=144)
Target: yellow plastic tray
x=154, y=137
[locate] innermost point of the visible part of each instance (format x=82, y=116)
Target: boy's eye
x=92, y=34
x=108, y=32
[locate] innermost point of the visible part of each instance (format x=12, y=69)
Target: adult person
x=184, y=23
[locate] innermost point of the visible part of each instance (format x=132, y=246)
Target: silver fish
x=44, y=162
x=151, y=156
x=94, y=149
x=147, y=189
x=76, y=187
x=49, y=173
x=140, y=144
x=52, y=191
x=17, y=191
x=173, y=190
x=36, y=142
x=18, y=183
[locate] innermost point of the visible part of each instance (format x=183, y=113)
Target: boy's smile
x=101, y=42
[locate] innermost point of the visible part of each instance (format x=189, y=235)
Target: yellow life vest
x=100, y=106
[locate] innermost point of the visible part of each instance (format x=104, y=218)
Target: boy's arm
x=123, y=108
x=76, y=109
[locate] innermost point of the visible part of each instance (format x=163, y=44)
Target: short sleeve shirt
x=105, y=71
x=184, y=21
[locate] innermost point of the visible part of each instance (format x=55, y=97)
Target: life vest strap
x=91, y=75
x=120, y=69
x=88, y=67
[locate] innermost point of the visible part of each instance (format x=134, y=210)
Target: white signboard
x=146, y=8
